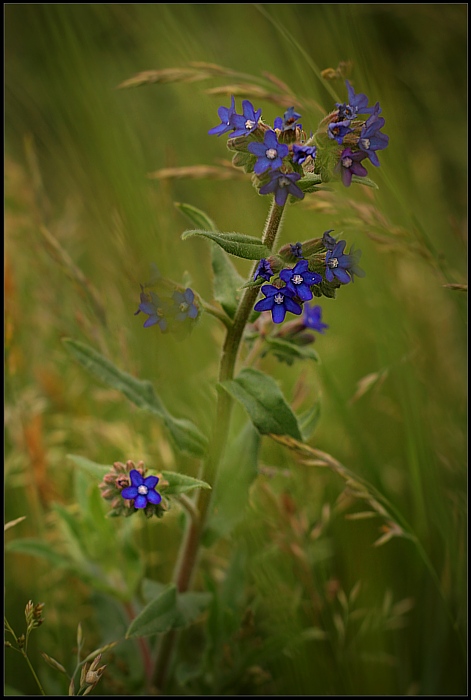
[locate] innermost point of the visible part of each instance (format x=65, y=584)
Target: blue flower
x=327, y=240
x=337, y=130
x=312, y=318
x=341, y=265
x=225, y=115
x=371, y=139
x=263, y=270
x=349, y=165
x=142, y=490
x=296, y=249
x=282, y=184
x=299, y=280
x=185, y=306
x=357, y=104
x=278, y=301
x=269, y=153
x=154, y=308
x=301, y=153
x=247, y=122
x=288, y=121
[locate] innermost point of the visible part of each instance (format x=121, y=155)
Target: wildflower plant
x=271, y=311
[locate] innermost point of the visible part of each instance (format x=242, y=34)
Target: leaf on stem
x=238, y=244
x=184, y=433
x=262, y=398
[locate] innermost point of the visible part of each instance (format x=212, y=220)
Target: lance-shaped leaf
x=262, y=398
x=184, y=433
x=238, y=244
x=181, y=483
x=288, y=351
x=227, y=282
x=168, y=611
x=238, y=470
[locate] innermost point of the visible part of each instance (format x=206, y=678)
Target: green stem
x=188, y=555
x=25, y=656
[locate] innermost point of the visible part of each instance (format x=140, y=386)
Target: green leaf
x=97, y=471
x=231, y=490
x=309, y=183
x=169, y=610
x=227, y=282
x=262, y=398
x=288, y=351
x=196, y=216
x=181, y=483
x=365, y=181
x=184, y=433
x=308, y=421
x=38, y=548
x=237, y=244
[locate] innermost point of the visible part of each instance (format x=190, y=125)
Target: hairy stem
x=188, y=555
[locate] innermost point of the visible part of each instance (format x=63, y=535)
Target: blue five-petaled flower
x=269, y=154
x=184, y=304
x=299, y=280
x=278, y=301
x=312, y=318
x=341, y=265
x=142, y=490
x=153, y=307
x=282, y=184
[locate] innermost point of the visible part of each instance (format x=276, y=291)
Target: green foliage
x=170, y=610
x=184, y=433
x=261, y=396
x=238, y=244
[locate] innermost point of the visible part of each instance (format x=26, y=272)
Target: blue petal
x=151, y=482
x=292, y=306
x=278, y=313
x=342, y=275
x=264, y=304
x=154, y=497
x=129, y=492
x=136, y=477
x=140, y=501
x=151, y=321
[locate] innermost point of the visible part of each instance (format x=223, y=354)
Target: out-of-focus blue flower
x=185, y=306
x=288, y=121
x=263, y=270
x=312, y=318
x=283, y=184
x=371, y=139
x=299, y=280
x=278, y=301
x=350, y=164
x=337, y=130
x=225, y=115
x=301, y=153
x=357, y=104
x=154, y=308
x=341, y=265
x=327, y=240
x=269, y=154
x=296, y=249
x=142, y=490
x=247, y=122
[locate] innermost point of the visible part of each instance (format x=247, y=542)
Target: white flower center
x=284, y=182
x=184, y=307
x=142, y=490
x=347, y=162
x=297, y=279
x=333, y=262
x=278, y=299
x=271, y=153
x=365, y=143
x=249, y=124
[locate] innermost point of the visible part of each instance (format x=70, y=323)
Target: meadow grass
x=306, y=603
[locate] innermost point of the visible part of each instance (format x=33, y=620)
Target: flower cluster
x=285, y=162
x=321, y=266
x=176, y=311
x=128, y=490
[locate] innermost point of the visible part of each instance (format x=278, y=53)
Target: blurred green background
x=78, y=152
